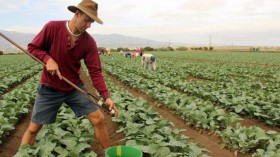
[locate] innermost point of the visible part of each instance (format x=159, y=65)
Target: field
x=195, y=104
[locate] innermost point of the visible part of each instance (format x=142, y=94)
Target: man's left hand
x=112, y=105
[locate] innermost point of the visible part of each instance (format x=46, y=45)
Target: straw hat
x=89, y=7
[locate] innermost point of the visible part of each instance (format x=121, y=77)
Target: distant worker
x=141, y=52
x=127, y=54
x=148, y=61
x=109, y=51
x=121, y=52
x=134, y=54
x=137, y=52
x=102, y=51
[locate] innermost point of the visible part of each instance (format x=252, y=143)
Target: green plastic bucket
x=123, y=151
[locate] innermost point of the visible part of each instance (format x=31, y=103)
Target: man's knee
x=33, y=131
x=96, y=118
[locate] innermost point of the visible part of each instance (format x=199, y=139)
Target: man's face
x=83, y=22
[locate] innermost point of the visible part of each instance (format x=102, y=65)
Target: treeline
x=182, y=48
x=148, y=48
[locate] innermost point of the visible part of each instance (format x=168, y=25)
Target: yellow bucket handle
x=119, y=151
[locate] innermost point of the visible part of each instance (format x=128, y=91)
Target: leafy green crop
x=68, y=137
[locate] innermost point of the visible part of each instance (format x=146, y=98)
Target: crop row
x=15, y=104
x=14, y=79
x=68, y=136
x=251, y=98
x=236, y=57
x=12, y=64
x=144, y=129
x=197, y=112
x=198, y=115
x=147, y=130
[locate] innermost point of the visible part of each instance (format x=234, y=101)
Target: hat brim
x=74, y=9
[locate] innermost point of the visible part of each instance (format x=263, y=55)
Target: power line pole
x=210, y=42
x=169, y=43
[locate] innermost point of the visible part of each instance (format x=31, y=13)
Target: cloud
x=8, y=6
x=179, y=20
x=24, y=29
x=202, y=5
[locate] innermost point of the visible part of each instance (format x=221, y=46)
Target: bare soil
x=247, y=121
x=11, y=142
x=194, y=78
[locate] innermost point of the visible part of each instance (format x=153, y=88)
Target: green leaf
x=150, y=149
x=163, y=151
x=271, y=132
x=70, y=142
x=238, y=108
x=132, y=127
x=91, y=154
x=243, y=137
x=82, y=146
x=195, y=151
x=61, y=151
x=47, y=148
x=150, y=121
x=149, y=129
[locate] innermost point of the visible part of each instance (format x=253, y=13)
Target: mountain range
x=112, y=41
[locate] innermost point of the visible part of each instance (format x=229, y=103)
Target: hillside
x=112, y=40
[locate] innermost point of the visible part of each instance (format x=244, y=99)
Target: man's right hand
x=52, y=68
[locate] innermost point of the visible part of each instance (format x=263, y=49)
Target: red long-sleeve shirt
x=53, y=41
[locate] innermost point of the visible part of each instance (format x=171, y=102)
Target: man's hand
x=52, y=68
x=112, y=105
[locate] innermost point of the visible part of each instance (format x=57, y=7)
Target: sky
x=215, y=22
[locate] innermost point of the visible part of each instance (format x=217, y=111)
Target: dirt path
x=11, y=142
x=210, y=142
x=247, y=121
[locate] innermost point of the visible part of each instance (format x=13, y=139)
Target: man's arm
x=41, y=44
x=93, y=63
x=39, y=47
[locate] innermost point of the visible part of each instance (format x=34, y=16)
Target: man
x=128, y=54
x=61, y=45
x=109, y=52
x=141, y=52
x=148, y=61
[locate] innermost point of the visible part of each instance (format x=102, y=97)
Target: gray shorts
x=49, y=100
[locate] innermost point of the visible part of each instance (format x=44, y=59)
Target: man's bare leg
x=30, y=134
x=97, y=120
